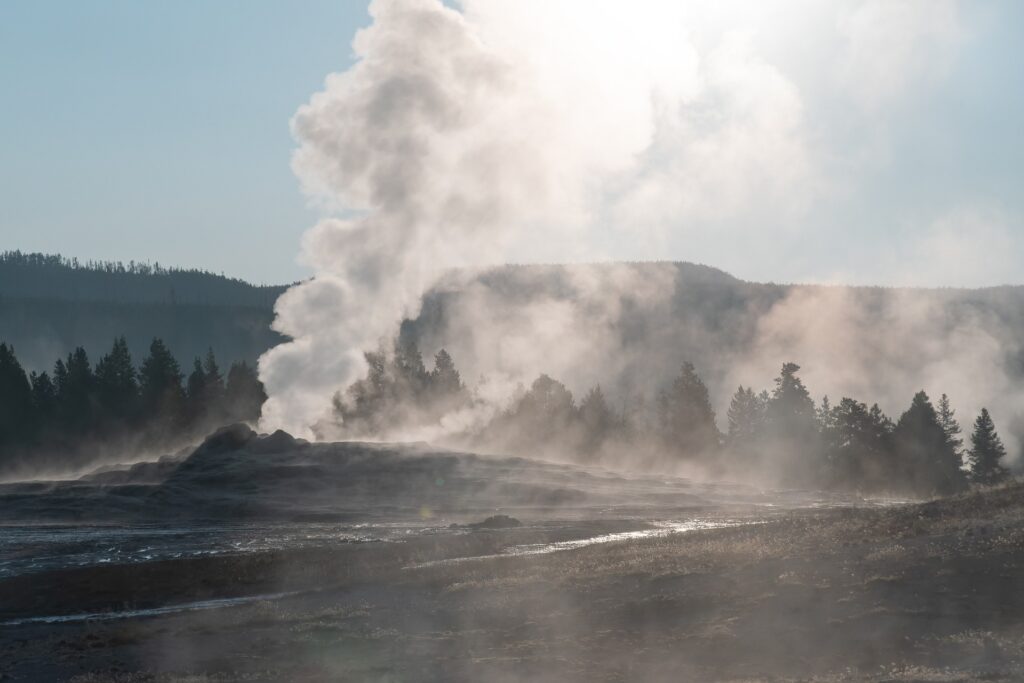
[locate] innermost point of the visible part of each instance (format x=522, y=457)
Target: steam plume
x=559, y=131
x=437, y=144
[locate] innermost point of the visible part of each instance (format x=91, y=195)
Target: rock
x=229, y=438
x=497, y=522
x=278, y=442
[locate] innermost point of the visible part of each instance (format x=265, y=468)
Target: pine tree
x=987, y=452
x=16, y=415
x=926, y=460
x=828, y=424
x=746, y=423
x=859, y=449
x=76, y=393
x=791, y=427
x=947, y=418
x=196, y=393
x=881, y=469
x=244, y=394
x=745, y=415
x=548, y=398
x=597, y=419
x=410, y=375
x=445, y=379
x=791, y=403
x=214, y=384
x=162, y=396
x=44, y=400
x=686, y=420
x=116, y=386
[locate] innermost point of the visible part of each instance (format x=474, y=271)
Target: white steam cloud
x=560, y=130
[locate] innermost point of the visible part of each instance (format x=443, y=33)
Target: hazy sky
x=867, y=144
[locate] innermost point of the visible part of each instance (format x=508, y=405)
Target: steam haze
x=663, y=340
x=732, y=134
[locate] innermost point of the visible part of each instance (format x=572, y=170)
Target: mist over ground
x=628, y=328
x=598, y=464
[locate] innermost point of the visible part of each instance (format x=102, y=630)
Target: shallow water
x=196, y=606
x=658, y=528
x=26, y=549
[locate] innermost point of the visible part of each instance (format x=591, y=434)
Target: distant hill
x=52, y=276
x=630, y=326
x=50, y=304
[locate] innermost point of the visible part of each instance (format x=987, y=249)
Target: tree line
x=63, y=418
x=778, y=434
x=52, y=276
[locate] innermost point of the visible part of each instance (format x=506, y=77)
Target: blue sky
x=159, y=131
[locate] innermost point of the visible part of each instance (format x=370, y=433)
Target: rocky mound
x=238, y=474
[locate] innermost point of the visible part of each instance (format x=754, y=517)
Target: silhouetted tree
x=60, y=421
x=160, y=384
x=685, y=418
x=746, y=415
x=548, y=398
x=947, y=419
x=196, y=405
x=214, y=384
x=76, y=393
x=791, y=428
x=859, y=449
x=410, y=375
x=927, y=462
x=361, y=411
x=746, y=423
x=987, y=452
x=543, y=417
x=244, y=394
x=15, y=401
x=791, y=405
x=44, y=402
x=827, y=428
x=597, y=420
x=116, y=385
x=444, y=378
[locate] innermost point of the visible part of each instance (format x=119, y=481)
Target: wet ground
x=606, y=579
x=931, y=592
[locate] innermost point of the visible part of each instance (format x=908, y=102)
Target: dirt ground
x=927, y=592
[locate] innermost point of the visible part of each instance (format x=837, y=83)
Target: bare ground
x=930, y=592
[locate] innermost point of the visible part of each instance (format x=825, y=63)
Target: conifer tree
x=160, y=389
x=410, y=375
x=927, y=462
x=244, y=394
x=76, y=393
x=828, y=424
x=44, y=400
x=196, y=392
x=214, y=381
x=685, y=417
x=444, y=378
x=987, y=452
x=116, y=385
x=15, y=401
x=597, y=419
x=746, y=422
x=791, y=427
x=859, y=449
x=791, y=403
x=947, y=418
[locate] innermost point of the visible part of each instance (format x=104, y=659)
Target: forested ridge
x=52, y=276
x=49, y=305
x=776, y=435
x=80, y=412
